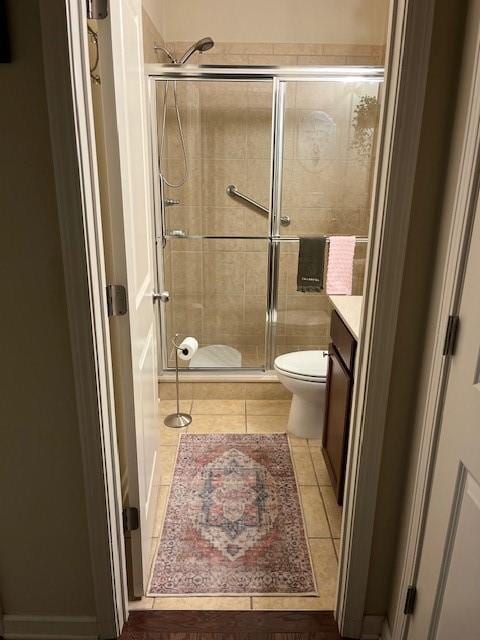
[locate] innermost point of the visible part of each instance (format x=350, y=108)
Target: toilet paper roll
x=188, y=348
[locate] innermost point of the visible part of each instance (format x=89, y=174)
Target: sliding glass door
x=246, y=165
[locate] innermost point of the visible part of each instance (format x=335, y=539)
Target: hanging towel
x=340, y=265
x=311, y=258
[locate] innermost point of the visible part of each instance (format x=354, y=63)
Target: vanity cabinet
x=341, y=360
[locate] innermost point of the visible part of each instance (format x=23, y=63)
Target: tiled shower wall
x=287, y=53
x=219, y=287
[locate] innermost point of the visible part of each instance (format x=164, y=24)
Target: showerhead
x=201, y=46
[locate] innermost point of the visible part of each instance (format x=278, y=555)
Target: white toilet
x=304, y=373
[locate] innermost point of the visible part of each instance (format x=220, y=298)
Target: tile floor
x=322, y=515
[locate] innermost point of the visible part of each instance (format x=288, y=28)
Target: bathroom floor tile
x=140, y=605
x=266, y=424
x=314, y=513
x=166, y=461
x=169, y=435
x=266, y=391
x=217, y=424
x=268, y=407
x=336, y=544
x=161, y=506
x=303, y=466
x=334, y=512
x=291, y=603
x=325, y=566
x=220, y=407
x=295, y=441
x=321, y=472
x=203, y=603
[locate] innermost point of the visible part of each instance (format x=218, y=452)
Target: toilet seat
x=310, y=366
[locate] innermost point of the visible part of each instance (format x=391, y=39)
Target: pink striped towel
x=340, y=265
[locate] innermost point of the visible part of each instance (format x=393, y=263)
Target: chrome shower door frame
x=279, y=77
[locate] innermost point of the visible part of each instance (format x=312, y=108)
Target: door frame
x=448, y=282
x=71, y=121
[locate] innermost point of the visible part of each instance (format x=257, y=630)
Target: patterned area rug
x=233, y=523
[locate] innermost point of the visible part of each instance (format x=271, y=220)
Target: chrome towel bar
x=233, y=191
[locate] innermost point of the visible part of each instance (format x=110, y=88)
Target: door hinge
x=131, y=520
x=116, y=300
x=410, y=600
x=450, y=336
x=97, y=9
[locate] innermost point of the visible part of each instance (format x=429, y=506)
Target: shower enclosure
x=272, y=154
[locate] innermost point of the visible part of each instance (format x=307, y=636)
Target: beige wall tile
x=167, y=390
x=297, y=48
x=217, y=424
x=203, y=603
x=223, y=271
x=334, y=512
x=268, y=407
x=220, y=390
x=266, y=391
x=303, y=466
x=186, y=272
x=314, y=512
x=222, y=407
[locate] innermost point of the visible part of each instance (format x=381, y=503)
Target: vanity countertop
x=349, y=309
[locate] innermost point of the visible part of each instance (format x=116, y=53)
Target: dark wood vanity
x=338, y=401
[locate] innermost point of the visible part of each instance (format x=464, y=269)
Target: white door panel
x=458, y=615
x=448, y=601
x=132, y=222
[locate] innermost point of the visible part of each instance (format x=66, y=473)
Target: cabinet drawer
x=343, y=340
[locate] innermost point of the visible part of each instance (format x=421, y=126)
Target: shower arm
x=232, y=191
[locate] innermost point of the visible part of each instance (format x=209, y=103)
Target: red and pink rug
x=233, y=523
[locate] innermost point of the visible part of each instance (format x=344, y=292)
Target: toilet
x=304, y=373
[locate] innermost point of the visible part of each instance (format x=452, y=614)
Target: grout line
x=326, y=513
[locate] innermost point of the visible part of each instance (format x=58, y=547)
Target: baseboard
x=16, y=627
x=372, y=627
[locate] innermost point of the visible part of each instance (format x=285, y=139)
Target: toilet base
x=306, y=417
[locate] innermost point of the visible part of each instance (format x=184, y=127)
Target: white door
x=448, y=586
x=134, y=336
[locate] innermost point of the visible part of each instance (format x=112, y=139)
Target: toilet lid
x=313, y=364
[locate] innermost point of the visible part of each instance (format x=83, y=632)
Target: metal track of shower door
x=278, y=113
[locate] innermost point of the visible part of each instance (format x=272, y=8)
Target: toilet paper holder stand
x=177, y=420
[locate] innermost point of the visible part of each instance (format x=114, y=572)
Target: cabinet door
x=337, y=418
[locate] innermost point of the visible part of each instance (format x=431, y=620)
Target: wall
x=44, y=552
x=311, y=21
x=436, y=212
x=400, y=441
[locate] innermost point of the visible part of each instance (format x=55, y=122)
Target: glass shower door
x=327, y=166
x=215, y=256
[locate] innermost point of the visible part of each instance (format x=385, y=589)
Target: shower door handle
x=164, y=296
